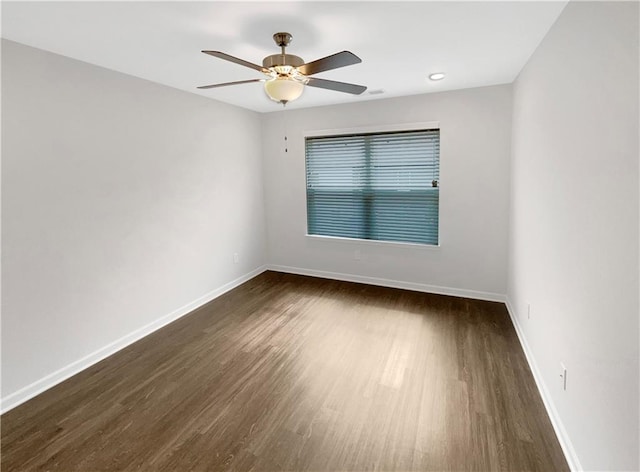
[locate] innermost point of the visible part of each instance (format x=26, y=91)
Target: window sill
x=370, y=242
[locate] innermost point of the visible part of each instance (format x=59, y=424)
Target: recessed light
x=437, y=76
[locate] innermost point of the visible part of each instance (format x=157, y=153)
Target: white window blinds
x=379, y=186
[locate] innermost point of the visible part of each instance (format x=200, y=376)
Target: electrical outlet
x=236, y=258
x=563, y=376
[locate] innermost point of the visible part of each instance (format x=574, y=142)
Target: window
x=377, y=186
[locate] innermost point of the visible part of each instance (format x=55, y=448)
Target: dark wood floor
x=296, y=373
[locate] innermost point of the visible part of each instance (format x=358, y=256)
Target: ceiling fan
x=286, y=74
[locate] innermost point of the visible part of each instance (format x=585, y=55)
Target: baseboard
x=561, y=432
x=14, y=399
x=456, y=292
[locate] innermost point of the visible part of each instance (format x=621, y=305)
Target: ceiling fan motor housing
x=282, y=60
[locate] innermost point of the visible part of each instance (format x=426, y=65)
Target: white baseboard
x=456, y=292
x=16, y=398
x=558, y=426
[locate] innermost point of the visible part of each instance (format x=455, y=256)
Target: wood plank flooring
x=297, y=373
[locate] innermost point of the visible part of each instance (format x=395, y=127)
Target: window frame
x=414, y=126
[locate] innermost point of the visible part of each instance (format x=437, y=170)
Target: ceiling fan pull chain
x=284, y=120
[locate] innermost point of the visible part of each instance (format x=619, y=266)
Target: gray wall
x=122, y=202
x=574, y=227
x=475, y=135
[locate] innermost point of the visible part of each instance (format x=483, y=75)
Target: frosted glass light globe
x=283, y=89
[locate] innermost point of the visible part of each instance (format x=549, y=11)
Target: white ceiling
x=400, y=43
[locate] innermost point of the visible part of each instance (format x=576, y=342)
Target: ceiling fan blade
x=230, y=83
x=236, y=60
x=337, y=86
x=339, y=59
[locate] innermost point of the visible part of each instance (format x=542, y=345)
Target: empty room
x=320, y=236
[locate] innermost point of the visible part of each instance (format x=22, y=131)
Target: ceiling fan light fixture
x=287, y=75
x=283, y=89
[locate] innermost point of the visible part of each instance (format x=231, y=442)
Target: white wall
x=475, y=138
x=123, y=201
x=574, y=226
